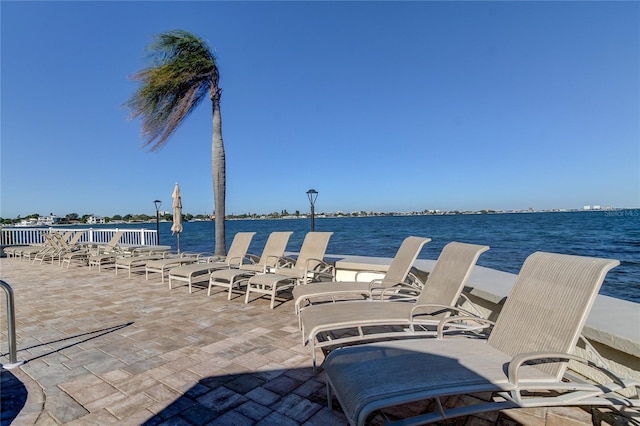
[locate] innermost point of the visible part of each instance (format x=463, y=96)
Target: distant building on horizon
x=95, y=220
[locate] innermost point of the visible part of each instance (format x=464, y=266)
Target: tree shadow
x=281, y=396
x=13, y=395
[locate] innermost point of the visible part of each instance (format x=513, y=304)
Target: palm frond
x=183, y=72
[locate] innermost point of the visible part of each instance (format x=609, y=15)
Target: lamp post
x=313, y=195
x=157, y=203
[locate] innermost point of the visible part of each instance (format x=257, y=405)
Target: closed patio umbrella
x=177, y=213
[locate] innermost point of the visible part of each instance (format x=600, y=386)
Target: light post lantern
x=313, y=196
x=157, y=203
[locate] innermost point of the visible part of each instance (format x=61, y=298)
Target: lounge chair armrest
x=432, y=309
x=252, y=258
x=203, y=256
x=189, y=254
x=460, y=312
x=284, y=262
x=235, y=261
x=399, y=291
x=414, y=281
x=445, y=322
x=381, y=283
x=543, y=357
x=321, y=268
x=271, y=262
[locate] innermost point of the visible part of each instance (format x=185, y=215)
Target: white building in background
x=52, y=219
x=94, y=220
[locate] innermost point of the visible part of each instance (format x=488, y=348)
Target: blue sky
x=379, y=106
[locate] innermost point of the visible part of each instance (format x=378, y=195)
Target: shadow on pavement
x=13, y=395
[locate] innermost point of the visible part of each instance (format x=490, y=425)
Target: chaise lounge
x=522, y=363
x=337, y=324
x=234, y=277
x=309, y=266
x=396, y=275
x=235, y=257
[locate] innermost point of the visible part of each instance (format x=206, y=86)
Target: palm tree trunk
x=219, y=173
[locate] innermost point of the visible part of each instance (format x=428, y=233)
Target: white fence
x=27, y=236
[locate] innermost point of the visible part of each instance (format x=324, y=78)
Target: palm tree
x=183, y=70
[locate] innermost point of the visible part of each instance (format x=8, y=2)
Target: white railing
x=28, y=236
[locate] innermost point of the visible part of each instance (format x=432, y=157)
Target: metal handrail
x=11, y=326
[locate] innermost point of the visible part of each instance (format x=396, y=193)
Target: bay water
x=511, y=236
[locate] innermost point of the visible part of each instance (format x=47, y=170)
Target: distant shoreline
x=613, y=211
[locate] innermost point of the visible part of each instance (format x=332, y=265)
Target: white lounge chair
x=235, y=257
x=106, y=255
x=396, y=274
x=85, y=253
x=135, y=259
x=234, y=277
x=309, y=266
x=164, y=265
x=522, y=363
x=337, y=324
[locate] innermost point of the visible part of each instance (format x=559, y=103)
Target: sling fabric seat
x=523, y=359
x=54, y=248
x=396, y=274
x=85, y=253
x=309, y=266
x=139, y=259
x=59, y=245
x=106, y=255
x=271, y=254
x=38, y=251
x=163, y=265
x=235, y=257
x=373, y=319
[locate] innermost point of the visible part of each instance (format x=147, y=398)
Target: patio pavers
x=106, y=349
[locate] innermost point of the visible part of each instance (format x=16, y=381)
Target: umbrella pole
x=178, y=243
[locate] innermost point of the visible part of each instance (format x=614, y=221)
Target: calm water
x=512, y=237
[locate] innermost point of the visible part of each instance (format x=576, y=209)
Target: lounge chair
x=371, y=319
x=396, y=274
x=67, y=243
x=84, y=254
x=165, y=264
x=34, y=252
x=522, y=363
x=234, y=277
x=139, y=259
x=52, y=250
x=106, y=255
x=235, y=257
x=16, y=251
x=309, y=266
